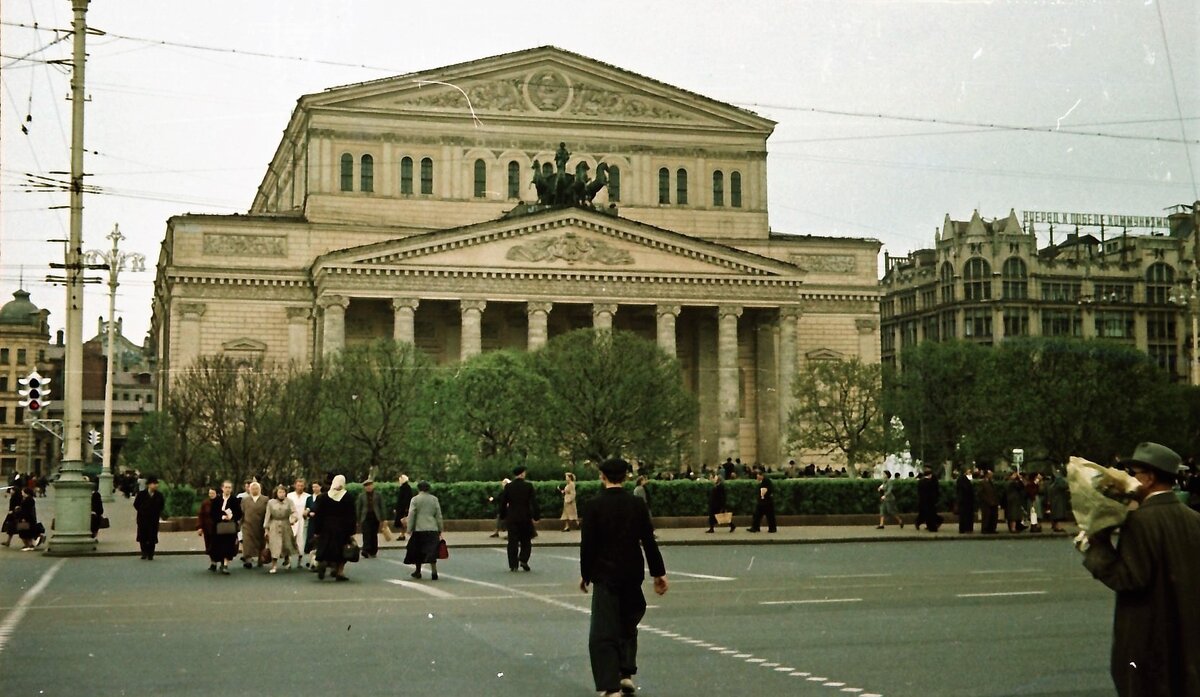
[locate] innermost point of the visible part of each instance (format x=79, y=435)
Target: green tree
x=613, y=393
x=838, y=407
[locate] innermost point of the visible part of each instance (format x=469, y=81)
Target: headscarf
x=337, y=489
x=404, y=479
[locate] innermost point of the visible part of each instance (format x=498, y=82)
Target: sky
x=891, y=113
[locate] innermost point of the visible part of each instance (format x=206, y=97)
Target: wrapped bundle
x=1100, y=495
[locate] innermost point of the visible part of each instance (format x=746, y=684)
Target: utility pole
x=115, y=260
x=1194, y=300
x=72, y=491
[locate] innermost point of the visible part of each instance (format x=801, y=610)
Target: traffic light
x=34, y=392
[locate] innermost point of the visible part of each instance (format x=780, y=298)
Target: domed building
x=24, y=338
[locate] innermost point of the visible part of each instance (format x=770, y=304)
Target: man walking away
x=369, y=512
x=616, y=529
x=964, y=501
x=1155, y=571
x=518, y=507
x=149, y=506
x=765, y=505
x=989, y=504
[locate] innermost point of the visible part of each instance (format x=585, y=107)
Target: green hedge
x=807, y=496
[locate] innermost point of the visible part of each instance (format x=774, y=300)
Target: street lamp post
x=115, y=260
x=1189, y=296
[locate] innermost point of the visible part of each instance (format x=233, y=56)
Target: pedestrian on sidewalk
x=227, y=520
x=570, y=512
x=928, y=492
x=149, y=504
x=310, y=535
x=717, y=497
x=1015, y=499
x=616, y=529
x=518, y=504
x=97, y=509
x=989, y=501
x=964, y=502
x=25, y=521
x=887, y=501
x=278, y=532
x=254, y=516
x=404, y=496
x=1155, y=572
x=204, y=523
x=1058, y=498
x=765, y=503
x=368, y=511
x=497, y=501
x=424, y=531
x=334, y=528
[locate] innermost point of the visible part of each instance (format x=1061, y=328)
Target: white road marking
x=834, y=684
x=816, y=679
x=1007, y=571
x=429, y=590
x=14, y=617
x=854, y=576
x=998, y=595
x=852, y=689
x=755, y=660
x=811, y=602
x=799, y=674
x=670, y=572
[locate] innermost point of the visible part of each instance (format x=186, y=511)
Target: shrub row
x=477, y=500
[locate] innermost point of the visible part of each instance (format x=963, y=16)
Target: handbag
x=23, y=526
x=103, y=523
x=724, y=517
x=443, y=550
x=350, y=552
x=226, y=527
x=386, y=532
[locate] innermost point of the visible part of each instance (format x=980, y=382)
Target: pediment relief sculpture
x=570, y=248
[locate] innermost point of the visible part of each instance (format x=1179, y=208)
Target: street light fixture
x=1189, y=296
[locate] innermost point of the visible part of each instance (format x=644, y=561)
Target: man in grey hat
x=1156, y=574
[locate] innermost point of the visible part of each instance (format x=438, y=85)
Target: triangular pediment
x=824, y=354
x=535, y=83
x=567, y=240
x=244, y=345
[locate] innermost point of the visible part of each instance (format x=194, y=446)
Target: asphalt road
x=981, y=618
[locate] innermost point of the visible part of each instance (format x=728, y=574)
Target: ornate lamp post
x=116, y=261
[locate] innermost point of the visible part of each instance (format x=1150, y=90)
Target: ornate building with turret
x=987, y=280
x=431, y=208
x=24, y=339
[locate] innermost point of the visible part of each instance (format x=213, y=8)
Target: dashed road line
x=999, y=595
x=428, y=590
x=14, y=616
x=813, y=601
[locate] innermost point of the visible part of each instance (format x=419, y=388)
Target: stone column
x=788, y=319
x=189, y=332
x=868, y=340
x=403, y=312
x=472, y=328
x=333, y=328
x=602, y=315
x=298, y=318
x=666, y=316
x=539, y=315
x=727, y=380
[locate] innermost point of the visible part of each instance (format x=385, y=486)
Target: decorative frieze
x=825, y=263
x=570, y=248
x=233, y=245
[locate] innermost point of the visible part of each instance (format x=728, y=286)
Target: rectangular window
x=928, y=299
x=1016, y=323
x=3, y=356
x=1060, y=292
x=977, y=323
x=908, y=303
x=3, y=416
x=21, y=356
x=949, y=326
x=9, y=445
x=3, y=383
x=19, y=415
x=1061, y=323
x=1112, y=324
x=41, y=355
x=908, y=333
x=1166, y=357
x=1016, y=289
x=1160, y=326
x=930, y=324
x=1114, y=292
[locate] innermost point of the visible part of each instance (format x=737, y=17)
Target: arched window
x=614, y=183
x=426, y=175
x=718, y=188
x=480, y=179
x=1159, y=279
x=735, y=189
x=1015, y=275
x=946, y=283
x=514, y=179
x=406, y=176
x=366, y=174
x=977, y=279
x=681, y=187
x=347, y=172
x=664, y=185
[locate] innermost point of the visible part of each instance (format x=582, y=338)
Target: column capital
x=405, y=304
x=465, y=306
x=192, y=310
x=610, y=308
x=865, y=326
x=727, y=310
x=672, y=310
x=299, y=314
x=330, y=300
x=532, y=307
x=790, y=312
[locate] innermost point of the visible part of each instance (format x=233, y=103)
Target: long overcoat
x=1155, y=571
x=333, y=525
x=149, y=508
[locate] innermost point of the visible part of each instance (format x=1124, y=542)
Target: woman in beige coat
x=570, y=512
x=278, y=528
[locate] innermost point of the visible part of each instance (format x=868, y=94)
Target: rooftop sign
x=1094, y=219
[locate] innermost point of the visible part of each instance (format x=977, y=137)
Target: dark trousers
x=966, y=519
x=147, y=549
x=520, y=542
x=988, y=521
x=370, y=533
x=612, y=638
x=764, y=508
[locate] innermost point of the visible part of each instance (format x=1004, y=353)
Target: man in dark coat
x=616, y=529
x=927, y=499
x=989, y=503
x=404, y=496
x=1156, y=573
x=519, y=509
x=368, y=510
x=149, y=505
x=964, y=501
x=716, y=503
x=765, y=506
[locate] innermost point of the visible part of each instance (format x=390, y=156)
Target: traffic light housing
x=34, y=392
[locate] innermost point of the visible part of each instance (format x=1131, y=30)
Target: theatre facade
x=406, y=208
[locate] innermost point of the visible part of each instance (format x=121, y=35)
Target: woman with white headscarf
x=333, y=525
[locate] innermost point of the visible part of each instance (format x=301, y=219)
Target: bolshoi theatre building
x=407, y=208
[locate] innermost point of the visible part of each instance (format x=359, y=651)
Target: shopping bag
x=443, y=550
x=724, y=518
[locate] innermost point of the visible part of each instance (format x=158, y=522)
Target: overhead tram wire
x=1162, y=25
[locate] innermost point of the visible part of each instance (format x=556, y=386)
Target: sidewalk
x=121, y=538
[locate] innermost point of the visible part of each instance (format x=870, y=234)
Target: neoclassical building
x=405, y=208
